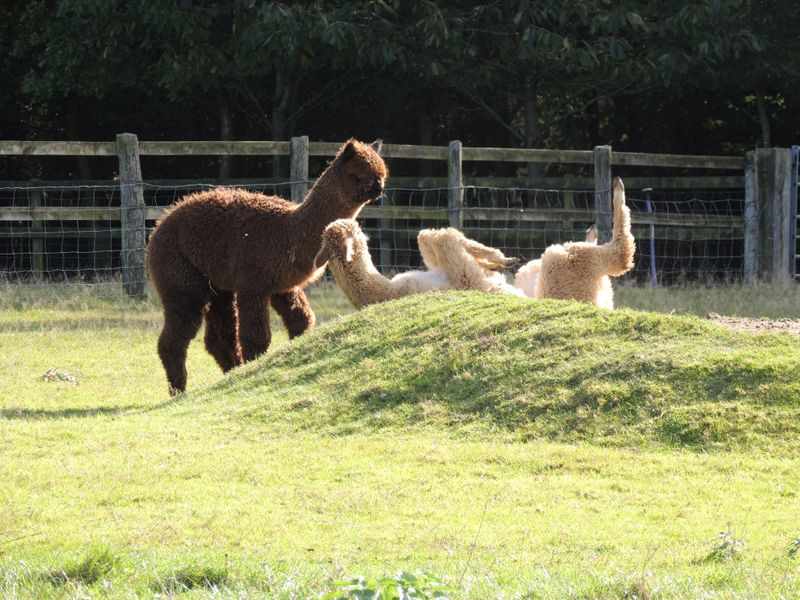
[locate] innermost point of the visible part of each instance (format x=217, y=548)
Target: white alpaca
x=575, y=270
x=453, y=262
x=528, y=274
x=581, y=270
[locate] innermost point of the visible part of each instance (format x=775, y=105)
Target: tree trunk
x=225, y=134
x=281, y=101
x=426, y=139
x=763, y=119
x=533, y=134
x=73, y=133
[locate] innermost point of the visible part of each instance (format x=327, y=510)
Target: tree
x=529, y=73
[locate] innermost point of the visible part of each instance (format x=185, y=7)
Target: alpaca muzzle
x=377, y=189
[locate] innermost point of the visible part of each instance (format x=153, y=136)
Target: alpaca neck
x=324, y=203
x=361, y=282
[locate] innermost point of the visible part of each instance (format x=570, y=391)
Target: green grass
x=774, y=301
x=508, y=448
x=547, y=370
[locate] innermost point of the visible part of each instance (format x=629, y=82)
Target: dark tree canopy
x=690, y=76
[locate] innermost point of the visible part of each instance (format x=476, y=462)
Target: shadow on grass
x=98, y=563
x=79, y=324
x=196, y=576
x=35, y=414
x=627, y=391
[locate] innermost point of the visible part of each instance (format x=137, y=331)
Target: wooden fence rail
x=37, y=214
x=767, y=222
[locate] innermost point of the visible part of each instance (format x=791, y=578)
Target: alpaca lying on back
x=453, y=262
x=528, y=274
x=581, y=270
x=226, y=255
x=575, y=270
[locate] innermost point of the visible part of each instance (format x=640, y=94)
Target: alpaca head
x=342, y=241
x=363, y=172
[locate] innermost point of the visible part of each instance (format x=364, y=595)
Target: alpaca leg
x=618, y=253
x=254, y=332
x=491, y=258
x=294, y=309
x=460, y=268
x=182, y=319
x=221, y=335
x=427, y=248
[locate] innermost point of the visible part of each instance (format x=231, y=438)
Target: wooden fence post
x=299, y=168
x=134, y=279
x=794, y=247
x=601, y=159
x=455, y=193
x=776, y=227
x=37, y=239
x=752, y=240
x=387, y=245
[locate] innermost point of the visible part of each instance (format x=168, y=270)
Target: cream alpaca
x=581, y=270
x=453, y=262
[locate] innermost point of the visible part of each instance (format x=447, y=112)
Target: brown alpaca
x=227, y=254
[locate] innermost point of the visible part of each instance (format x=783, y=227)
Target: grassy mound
x=505, y=366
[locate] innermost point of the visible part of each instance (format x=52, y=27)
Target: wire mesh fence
x=83, y=244
x=681, y=236
x=72, y=234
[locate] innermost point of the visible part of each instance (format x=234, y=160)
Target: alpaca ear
x=323, y=256
x=376, y=145
x=348, y=152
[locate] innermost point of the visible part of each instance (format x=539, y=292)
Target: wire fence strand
x=72, y=234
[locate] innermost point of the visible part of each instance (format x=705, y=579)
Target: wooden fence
x=768, y=221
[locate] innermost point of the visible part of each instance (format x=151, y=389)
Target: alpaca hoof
x=497, y=264
x=510, y=262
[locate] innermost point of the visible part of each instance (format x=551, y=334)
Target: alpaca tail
x=620, y=250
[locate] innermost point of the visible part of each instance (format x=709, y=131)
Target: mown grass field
x=512, y=449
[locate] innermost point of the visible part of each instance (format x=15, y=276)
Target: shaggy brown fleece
x=227, y=254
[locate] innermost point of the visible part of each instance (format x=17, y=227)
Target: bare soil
x=791, y=326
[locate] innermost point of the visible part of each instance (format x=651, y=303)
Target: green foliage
x=539, y=70
x=726, y=548
x=191, y=577
x=97, y=564
x=403, y=586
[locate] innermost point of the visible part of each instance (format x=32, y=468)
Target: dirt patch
x=791, y=326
